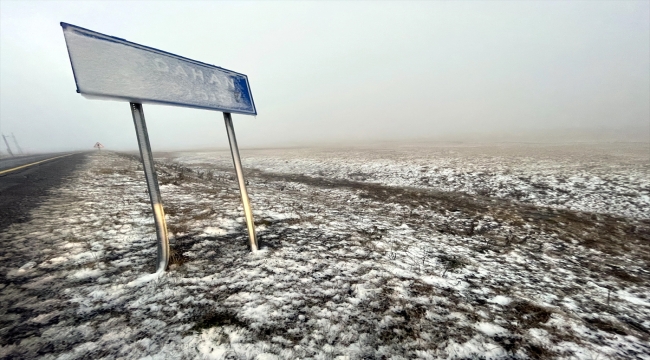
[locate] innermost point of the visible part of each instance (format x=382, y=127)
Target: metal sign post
x=8, y=148
x=234, y=150
x=108, y=67
x=16, y=143
x=152, y=185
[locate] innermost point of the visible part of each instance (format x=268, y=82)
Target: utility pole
x=7, y=143
x=16, y=143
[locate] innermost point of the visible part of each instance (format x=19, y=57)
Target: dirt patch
x=527, y=314
x=604, y=325
x=215, y=318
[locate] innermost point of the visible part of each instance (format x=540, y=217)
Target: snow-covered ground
x=604, y=178
x=398, y=252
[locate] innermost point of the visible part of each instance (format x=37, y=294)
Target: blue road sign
x=108, y=67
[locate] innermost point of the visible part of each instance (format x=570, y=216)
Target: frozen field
x=367, y=253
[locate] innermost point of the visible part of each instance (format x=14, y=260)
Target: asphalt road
x=12, y=162
x=23, y=189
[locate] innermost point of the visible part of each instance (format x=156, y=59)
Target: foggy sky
x=323, y=72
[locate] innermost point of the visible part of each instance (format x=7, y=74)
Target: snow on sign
x=109, y=67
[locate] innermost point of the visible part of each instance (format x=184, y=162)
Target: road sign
x=98, y=145
x=106, y=67
x=109, y=67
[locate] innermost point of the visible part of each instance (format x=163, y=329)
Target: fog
x=344, y=72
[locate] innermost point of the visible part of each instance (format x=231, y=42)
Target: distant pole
x=234, y=150
x=152, y=185
x=16, y=143
x=7, y=143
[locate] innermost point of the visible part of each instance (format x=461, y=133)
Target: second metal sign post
x=234, y=150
